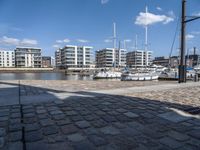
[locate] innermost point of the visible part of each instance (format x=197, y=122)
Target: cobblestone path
x=102, y=122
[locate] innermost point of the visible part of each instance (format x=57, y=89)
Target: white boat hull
x=139, y=77
x=107, y=75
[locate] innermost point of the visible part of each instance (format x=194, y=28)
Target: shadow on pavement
x=87, y=120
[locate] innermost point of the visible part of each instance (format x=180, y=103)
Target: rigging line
x=174, y=39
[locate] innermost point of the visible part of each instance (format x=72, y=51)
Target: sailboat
x=110, y=74
x=141, y=75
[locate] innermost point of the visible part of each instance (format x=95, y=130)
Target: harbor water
x=42, y=76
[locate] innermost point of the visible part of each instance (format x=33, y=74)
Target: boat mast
x=136, y=41
x=114, y=44
x=135, y=49
x=146, y=30
x=146, y=37
x=119, y=55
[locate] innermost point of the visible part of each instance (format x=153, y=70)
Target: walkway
x=50, y=118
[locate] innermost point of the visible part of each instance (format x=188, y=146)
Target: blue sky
x=54, y=23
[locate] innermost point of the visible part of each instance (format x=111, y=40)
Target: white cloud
x=59, y=41
x=159, y=8
x=171, y=14
x=56, y=46
x=150, y=18
x=66, y=40
x=28, y=42
x=8, y=41
x=196, y=14
x=107, y=40
x=189, y=36
x=63, y=41
x=104, y=1
x=82, y=41
x=195, y=32
x=16, y=29
x=127, y=40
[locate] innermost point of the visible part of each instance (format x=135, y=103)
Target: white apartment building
x=7, y=58
x=72, y=56
x=28, y=57
x=138, y=59
x=107, y=58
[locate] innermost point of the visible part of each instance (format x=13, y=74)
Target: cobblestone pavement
x=104, y=122
x=182, y=96
x=71, y=86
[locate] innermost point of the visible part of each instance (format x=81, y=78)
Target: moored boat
x=107, y=75
x=148, y=76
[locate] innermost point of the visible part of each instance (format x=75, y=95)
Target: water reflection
x=42, y=76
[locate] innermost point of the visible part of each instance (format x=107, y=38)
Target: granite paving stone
x=99, y=123
x=6, y=113
x=33, y=136
x=41, y=111
x=171, y=143
x=15, y=136
x=90, y=117
x=2, y=132
x=2, y=142
x=91, y=131
x=15, y=127
x=174, y=117
x=121, y=110
x=193, y=141
x=4, y=118
x=31, y=127
x=83, y=124
x=59, y=138
x=29, y=120
x=50, y=130
x=46, y=122
x=43, y=116
x=68, y=129
x=110, y=130
x=15, y=115
x=130, y=115
x=15, y=120
x=55, y=112
x=28, y=115
x=130, y=132
x=119, y=125
x=109, y=118
x=84, y=145
x=76, y=137
x=71, y=113
x=195, y=133
x=58, y=117
x=97, y=140
x=76, y=118
x=178, y=136
x=63, y=122
x=136, y=125
x=124, y=142
x=15, y=146
x=123, y=118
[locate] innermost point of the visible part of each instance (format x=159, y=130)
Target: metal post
x=182, y=66
x=114, y=44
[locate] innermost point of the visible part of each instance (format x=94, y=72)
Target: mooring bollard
x=196, y=78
